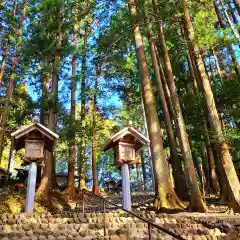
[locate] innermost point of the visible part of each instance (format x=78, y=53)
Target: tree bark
x=82, y=161
x=179, y=180
x=73, y=146
x=196, y=202
x=139, y=180
x=214, y=123
x=165, y=196
x=204, y=156
x=143, y=170
x=95, y=188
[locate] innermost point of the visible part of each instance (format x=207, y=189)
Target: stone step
x=91, y=225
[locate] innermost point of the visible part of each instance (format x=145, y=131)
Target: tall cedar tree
x=196, y=202
x=165, y=196
x=72, y=143
x=12, y=79
x=7, y=47
x=179, y=180
x=82, y=160
x=94, y=133
x=226, y=163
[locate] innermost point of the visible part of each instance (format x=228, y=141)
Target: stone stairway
x=119, y=225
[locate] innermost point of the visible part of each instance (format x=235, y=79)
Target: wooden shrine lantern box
x=126, y=144
x=35, y=138
x=34, y=149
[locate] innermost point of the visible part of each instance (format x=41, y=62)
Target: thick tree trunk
x=180, y=187
x=43, y=190
x=226, y=163
x=52, y=118
x=196, y=202
x=165, y=197
x=44, y=98
x=95, y=188
x=72, y=145
x=11, y=85
x=82, y=162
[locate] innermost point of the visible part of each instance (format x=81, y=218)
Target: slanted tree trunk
x=219, y=57
x=234, y=31
x=226, y=163
x=237, y=5
x=165, y=196
x=72, y=143
x=179, y=180
x=95, y=188
x=11, y=85
x=82, y=162
x=196, y=202
x=230, y=49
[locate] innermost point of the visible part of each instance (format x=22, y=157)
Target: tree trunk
x=165, y=196
x=235, y=32
x=6, y=51
x=204, y=156
x=219, y=57
x=11, y=85
x=139, y=180
x=237, y=5
x=232, y=12
x=214, y=123
x=95, y=188
x=230, y=49
x=82, y=161
x=73, y=146
x=44, y=98
x=196, y=202
x=143, y=170
x=43, y=190
x=179, y=180
x=4, y=60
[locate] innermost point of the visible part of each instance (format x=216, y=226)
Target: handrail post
x=149, y=232
x=104, y=218
x=83, y=203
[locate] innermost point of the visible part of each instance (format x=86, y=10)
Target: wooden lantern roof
x=34, y=129
x=127, y=133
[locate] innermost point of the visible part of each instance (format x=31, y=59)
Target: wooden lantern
x=126, y=152
x=34, y=149
x=126, y=144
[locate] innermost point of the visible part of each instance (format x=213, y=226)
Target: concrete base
x=126, y=194
x=31, y=186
